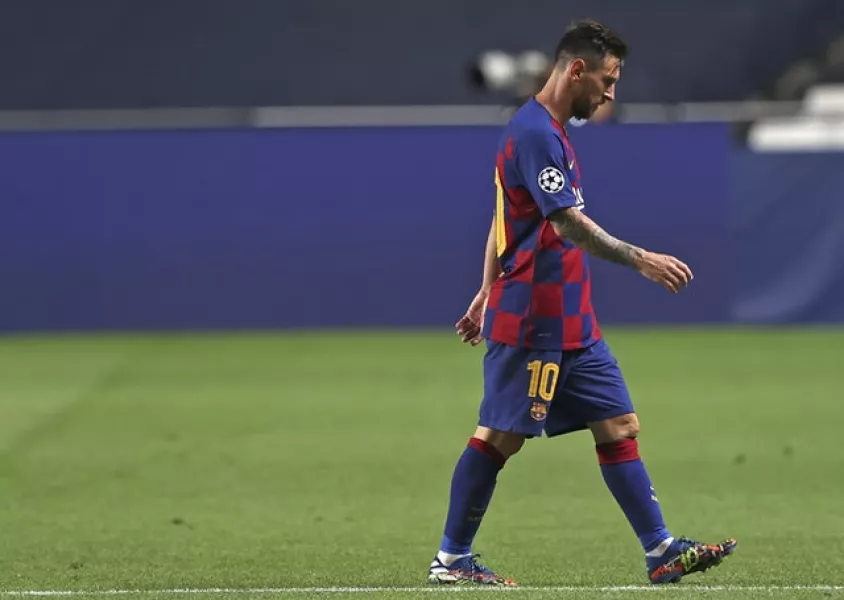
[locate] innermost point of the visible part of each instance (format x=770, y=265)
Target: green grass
x=323, y=459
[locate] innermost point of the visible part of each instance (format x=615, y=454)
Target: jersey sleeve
x=541, y=163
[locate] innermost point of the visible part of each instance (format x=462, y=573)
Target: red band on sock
x=488, y=449
x=618, y=452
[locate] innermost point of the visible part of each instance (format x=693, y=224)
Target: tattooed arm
x=582, y=231
x=573, y=225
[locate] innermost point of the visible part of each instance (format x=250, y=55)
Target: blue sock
x=626, y=477
x=471, y=490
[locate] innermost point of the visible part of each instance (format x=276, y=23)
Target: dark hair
x=591, y=41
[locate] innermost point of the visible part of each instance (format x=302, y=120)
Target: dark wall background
x=143, y=53
x=386, y=226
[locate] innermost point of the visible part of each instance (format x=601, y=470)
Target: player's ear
x=577, y=68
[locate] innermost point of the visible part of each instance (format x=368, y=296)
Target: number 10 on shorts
x=543, y=379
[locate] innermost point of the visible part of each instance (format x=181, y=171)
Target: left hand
x=469, y=327
x=667, y=271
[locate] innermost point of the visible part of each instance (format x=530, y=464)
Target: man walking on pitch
x=547, y=367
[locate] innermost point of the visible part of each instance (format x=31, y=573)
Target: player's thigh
x=593, y=391
x=519, y=386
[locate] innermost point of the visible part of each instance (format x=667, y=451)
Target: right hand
x=471, y=325
x=669, y=272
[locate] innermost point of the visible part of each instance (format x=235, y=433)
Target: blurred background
x=315, y=163
x=318, y=173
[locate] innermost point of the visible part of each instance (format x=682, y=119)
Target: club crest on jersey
x=538, y=411
x=551, y=180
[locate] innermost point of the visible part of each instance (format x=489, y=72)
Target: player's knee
x=631, y=428
x=615, y=429
x=512, y=445
x=505, y=442
x=626, y=426
x=616, y=439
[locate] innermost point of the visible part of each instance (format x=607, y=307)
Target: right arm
x=492, y=268
x=470, y=326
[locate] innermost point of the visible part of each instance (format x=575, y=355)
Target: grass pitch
x=278, y=465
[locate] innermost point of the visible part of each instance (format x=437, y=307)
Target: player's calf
x=667, y=559
x=628, y=481
x=472, y=487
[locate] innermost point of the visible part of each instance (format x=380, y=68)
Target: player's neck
x=554, y=96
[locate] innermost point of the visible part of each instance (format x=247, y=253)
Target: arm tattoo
x=588, y=235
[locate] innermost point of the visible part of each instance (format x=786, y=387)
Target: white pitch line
x=429, y=589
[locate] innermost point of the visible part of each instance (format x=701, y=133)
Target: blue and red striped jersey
x=543, y=299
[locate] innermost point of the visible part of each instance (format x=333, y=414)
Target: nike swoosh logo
x=571, y=165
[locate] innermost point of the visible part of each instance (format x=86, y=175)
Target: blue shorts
x=558, y=392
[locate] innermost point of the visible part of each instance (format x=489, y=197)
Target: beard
x=583, y=109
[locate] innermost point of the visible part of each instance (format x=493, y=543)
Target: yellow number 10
x=543, y=379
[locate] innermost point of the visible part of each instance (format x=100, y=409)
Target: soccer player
x=547, y=367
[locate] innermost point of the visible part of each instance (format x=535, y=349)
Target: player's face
x=594, y=87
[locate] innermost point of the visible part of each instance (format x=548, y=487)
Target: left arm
x=584, y=233
x=542, y=164
x=572, y=224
